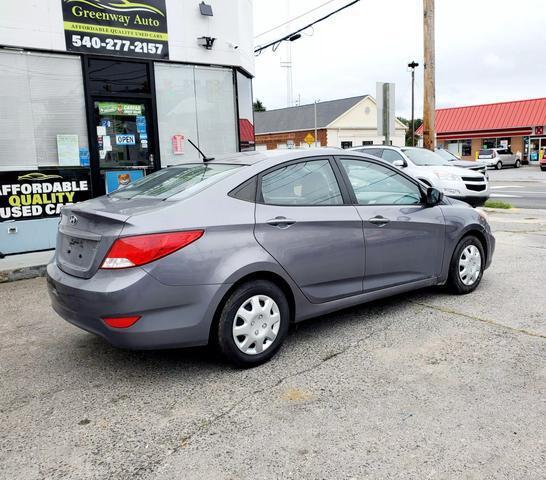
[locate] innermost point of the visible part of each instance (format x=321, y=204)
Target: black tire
x=498, y=165
x=224, y=333
x=455, y=283
x=518, y=164
x=543, y=169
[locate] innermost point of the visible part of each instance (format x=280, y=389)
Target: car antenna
x=205, y=158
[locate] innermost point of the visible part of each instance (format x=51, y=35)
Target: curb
x=24, y=273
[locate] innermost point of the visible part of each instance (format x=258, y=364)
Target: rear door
x=404, y=237
x=304, y=221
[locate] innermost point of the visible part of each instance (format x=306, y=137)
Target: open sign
x=125, y=139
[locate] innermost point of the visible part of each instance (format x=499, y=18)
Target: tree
x=259, y=106
x=418, y=123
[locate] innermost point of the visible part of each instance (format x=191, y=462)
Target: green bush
x=497, y=204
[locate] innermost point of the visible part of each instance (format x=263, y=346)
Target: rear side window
x=304, y=183
x=371, y=151
x=173, y=180
x=391, y=155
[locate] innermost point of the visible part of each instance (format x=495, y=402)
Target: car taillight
x=138, y=250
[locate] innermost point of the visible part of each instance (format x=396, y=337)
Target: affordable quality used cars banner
x=41, y=194
x=117, y=27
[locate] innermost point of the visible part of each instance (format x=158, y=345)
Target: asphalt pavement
x=423, y=385
x=524, y=187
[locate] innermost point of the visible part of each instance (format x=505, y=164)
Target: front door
x=303, y=221
x=124, y=140
x=404, y=237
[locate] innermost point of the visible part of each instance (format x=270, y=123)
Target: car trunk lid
x=87, y=231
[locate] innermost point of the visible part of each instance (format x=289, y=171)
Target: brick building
x=346, y=122
x=519, y=126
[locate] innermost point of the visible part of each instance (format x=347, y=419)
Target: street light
x=413, y=65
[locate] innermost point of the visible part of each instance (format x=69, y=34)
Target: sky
x=486, y=51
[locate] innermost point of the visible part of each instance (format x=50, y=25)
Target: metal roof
x=493, y=116
x=303, y=117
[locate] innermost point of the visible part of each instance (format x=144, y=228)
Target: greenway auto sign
x=31, y=195
x=117, y=27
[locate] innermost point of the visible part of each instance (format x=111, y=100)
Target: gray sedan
x=232, y=251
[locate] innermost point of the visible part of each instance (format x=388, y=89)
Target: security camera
x=233, y=45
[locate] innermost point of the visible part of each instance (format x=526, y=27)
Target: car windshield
x=170, y=181
x=424, y=157
x=446, y=155
x=486, y=152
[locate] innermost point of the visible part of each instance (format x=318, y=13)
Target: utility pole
x=413, y=65
x=316, y=122
x=429, y=107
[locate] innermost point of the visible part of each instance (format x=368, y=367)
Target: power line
x=295, y=18
x=275, y=43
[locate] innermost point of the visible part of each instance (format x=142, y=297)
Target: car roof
x=273, y=156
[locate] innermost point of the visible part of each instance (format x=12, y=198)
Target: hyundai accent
x=233, y=250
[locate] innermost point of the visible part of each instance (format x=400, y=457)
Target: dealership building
x=519, y=126
x=97, y=93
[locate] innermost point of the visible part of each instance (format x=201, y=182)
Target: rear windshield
x=485, y=152
x=170, y=181
x=424, y=157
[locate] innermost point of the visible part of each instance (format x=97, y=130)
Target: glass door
x=124, y=141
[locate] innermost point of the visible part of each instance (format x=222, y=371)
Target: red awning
x=494, y=119
x=246, y=131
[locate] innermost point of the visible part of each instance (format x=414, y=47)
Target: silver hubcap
x=256, y=324
x=470, y=265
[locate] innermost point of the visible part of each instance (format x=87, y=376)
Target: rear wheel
x=498, y=166
x=253, y=323
x=466, y=268
x=518, y=164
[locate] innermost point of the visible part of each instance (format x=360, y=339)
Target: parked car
x=542, y=162
x=499, y=157
x=431, y=169
x=233, y=250
x=476, y=165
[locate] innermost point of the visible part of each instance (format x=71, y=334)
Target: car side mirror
x=434, y=196
x=400, y=163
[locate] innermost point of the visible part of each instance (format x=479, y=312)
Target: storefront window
x=216, y=116
x=461, y=148
x=176, y=112
x=43, y=118
x=246, y=114
x=195, y=103
x=504, y=142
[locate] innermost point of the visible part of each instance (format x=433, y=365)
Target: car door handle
x=379, y=220
x=280, y=222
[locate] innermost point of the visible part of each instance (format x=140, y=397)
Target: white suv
x=431, y=169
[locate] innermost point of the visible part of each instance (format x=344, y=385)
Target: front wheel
x=466, y=268
x=253, y=323
x=518, y=164
x=498, y=166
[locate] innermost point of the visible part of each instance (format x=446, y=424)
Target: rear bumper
x=172, y=316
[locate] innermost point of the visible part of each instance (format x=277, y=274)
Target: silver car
x=234, y=250
x=499, y=157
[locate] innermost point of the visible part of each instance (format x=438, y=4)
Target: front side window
x=378, y=185
x=304, y=183
x=187, y=179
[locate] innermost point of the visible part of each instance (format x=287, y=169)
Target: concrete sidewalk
x=23, y=266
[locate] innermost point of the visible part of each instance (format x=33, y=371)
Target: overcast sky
x=486, y=51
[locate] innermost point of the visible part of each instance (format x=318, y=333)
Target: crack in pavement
x=205, y=426
x=479, y=319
